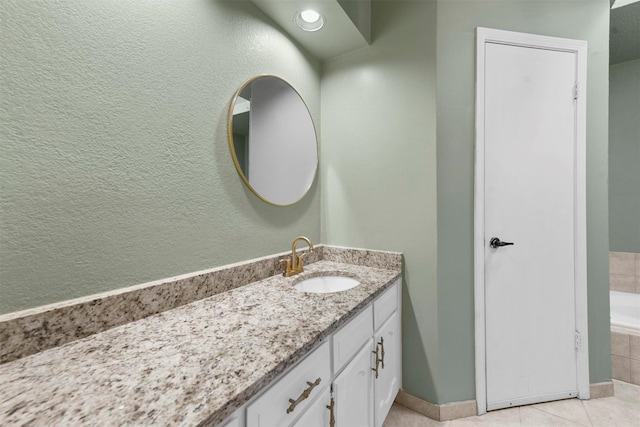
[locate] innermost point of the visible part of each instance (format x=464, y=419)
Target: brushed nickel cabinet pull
x=303, y=396
x=382, y=352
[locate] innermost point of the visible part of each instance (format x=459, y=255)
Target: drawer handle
x=332, y=418
x=378, y=360
x=303, y=396
x=382, y=352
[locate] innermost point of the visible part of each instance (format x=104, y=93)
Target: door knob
x=496, y=243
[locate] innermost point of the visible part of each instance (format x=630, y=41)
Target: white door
x=530, y=223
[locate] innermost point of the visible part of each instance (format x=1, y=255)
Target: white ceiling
x=340, y=33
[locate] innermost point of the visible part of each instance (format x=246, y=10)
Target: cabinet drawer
x=385, y=305
x=270, y=409
x=348, y=340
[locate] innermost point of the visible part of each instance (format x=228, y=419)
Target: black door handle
x=496, y=243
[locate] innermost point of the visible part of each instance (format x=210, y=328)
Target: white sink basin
x=326, y=284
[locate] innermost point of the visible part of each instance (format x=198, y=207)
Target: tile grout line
x=584, y=408
x=561, y=417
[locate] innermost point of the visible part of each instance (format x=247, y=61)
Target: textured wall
x=624, y=157
x=457, y=20
x=115, y=166
x=379, y=168
x=379, y=165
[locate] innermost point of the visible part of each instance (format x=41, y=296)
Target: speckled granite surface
x=191, y=365
x=363, y=257
x=31, y=331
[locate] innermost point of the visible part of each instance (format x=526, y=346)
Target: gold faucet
x=293, y=265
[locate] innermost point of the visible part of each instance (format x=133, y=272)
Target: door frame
x=579, y=47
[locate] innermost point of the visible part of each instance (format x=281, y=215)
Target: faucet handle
x=287, y=267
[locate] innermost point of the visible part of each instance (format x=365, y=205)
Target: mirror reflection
x=273, y=140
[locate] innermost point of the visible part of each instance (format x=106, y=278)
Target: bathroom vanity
x=243, y=356
x=350, y=379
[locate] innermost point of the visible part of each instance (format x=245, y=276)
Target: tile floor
x=621, y=410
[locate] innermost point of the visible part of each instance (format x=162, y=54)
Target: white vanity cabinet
x=346, y=363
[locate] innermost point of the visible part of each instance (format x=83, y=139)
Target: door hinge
x=578, y=341
x=575, y=91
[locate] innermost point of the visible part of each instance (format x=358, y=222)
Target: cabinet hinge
x=575, y=91
x=578, y=341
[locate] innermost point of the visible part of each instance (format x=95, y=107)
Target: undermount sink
x=326, y=284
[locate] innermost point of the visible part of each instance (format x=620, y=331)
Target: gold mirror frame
x=311, y=174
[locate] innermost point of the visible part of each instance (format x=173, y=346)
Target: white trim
x=582, y=315
x=579, y=47
x=478, y=252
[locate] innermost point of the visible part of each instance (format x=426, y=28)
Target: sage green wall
x=115, y=168
x=115, y=165
x=378, y=164
x=457, y=20
x=624, y=157
x=379, y=168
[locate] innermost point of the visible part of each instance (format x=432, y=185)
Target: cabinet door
x=388, y=382
x=317, y=415
x=352, y=391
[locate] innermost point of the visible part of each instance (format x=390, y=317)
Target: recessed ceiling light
x=310, y=16
x=309, y=20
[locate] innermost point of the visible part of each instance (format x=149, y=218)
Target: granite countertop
x=192, y=365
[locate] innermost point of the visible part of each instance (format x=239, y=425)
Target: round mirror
x=273, y=140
